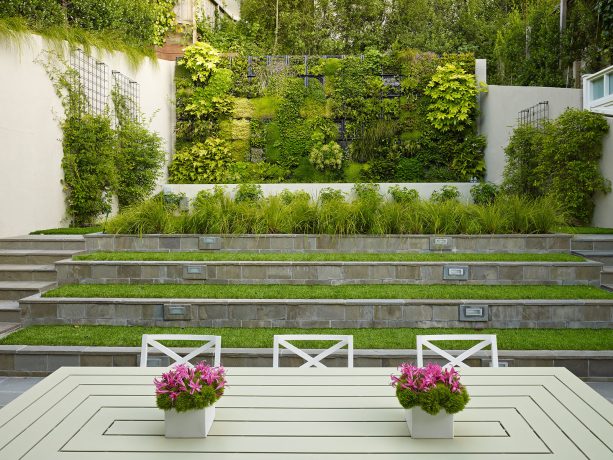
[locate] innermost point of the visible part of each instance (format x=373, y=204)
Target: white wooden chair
x=313, y=361
x=152, y=340
x=485, y=340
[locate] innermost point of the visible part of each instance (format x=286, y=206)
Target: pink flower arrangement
x=185, y=387
x=424, y=378
x=431, y=387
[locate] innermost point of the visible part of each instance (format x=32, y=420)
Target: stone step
x=606, y=277
x=608, y=287
x=15, y=272
x=592, y=243
x=606, y=257
x=319, y=313
x=8, y=327
x=15, y=290
x=330, y=273
x=49, y=242
x=34, y=256
x=10, y=312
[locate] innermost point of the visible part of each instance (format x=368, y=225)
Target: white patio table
x=290, y=413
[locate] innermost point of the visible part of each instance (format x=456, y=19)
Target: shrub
x=89, y=172
x=453, y=94
x=403, y=194
x=446, y=193
x=204, y=162
x=201, y=60
x=248, y=192
x=330, y=194
x=523, y=155
x=570, y=162
x=328, y=156
x=484, y=193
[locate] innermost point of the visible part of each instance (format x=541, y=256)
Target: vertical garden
x=401, y=116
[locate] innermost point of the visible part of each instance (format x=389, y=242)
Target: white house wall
x=31, y=195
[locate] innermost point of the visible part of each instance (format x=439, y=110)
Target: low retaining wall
x=309, y=313
x=267, y=272
x=332, y=243
x=41, y=361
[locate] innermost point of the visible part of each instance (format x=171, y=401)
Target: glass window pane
x=610, y=78
x=598, y=88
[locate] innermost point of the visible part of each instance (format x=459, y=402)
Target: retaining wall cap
x=38, y=299
x=286, y=263
x=382, y=353
x=319, y=235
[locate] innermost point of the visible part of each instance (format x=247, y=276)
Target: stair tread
x=27, y=268
x=45, y=238
x=42, y=252
x=8, y=327
x=593, y=237
x=9, y=305
x=8, y=285
x=597, y=252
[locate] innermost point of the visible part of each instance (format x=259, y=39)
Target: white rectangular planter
x=188, y=424
x=423, y=425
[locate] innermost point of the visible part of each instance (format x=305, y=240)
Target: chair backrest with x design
x=211, y=342
x=484, y=341
x=313, y=361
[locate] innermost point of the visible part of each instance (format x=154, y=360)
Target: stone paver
x=604, y=388
x=11, y=387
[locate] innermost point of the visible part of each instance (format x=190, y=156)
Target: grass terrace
x=116, y=336
x=326, y=257
x=68, y=231
x=373, y=291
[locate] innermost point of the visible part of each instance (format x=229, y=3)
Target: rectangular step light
x=209, y=243
x=177, y=312
x=441, y=243
x=194, y=272
x=474, y=312
x=455, y=272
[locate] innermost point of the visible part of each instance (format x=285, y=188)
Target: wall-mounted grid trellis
x=130, y=92
x=534, y=116
x=95, y=79
x=93, y=76
x=300, y=64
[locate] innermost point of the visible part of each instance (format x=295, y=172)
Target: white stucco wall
x=499, y=109
x=424, y=189
x=31, y=195
x=603, y=215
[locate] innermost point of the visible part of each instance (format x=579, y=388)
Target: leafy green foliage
x=328, y=156
x=89, y=173
x=446, y=193
x=165, y=20
x=138, y=158
x=403, y=194
x=248, y=192
x=203, y=162
x=201, y=60
x=484, y=193
x=562, y=160
x=453, y=94
x=185, y=401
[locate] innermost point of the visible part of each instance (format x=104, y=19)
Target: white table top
x=288, y=414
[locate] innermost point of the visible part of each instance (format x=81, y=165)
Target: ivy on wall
x=401, y=116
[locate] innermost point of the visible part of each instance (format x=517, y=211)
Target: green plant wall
x=402, y=116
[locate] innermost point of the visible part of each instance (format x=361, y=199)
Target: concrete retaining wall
x=322, y=313
x=229, y=272
x=40, y=361
x=332, y=243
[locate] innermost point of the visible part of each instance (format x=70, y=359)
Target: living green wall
x=402, y=116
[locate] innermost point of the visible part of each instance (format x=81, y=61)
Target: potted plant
x=430, y=396
x=188, y=395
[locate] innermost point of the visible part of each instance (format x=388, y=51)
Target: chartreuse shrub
x=561, y=160
x=332, y=213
